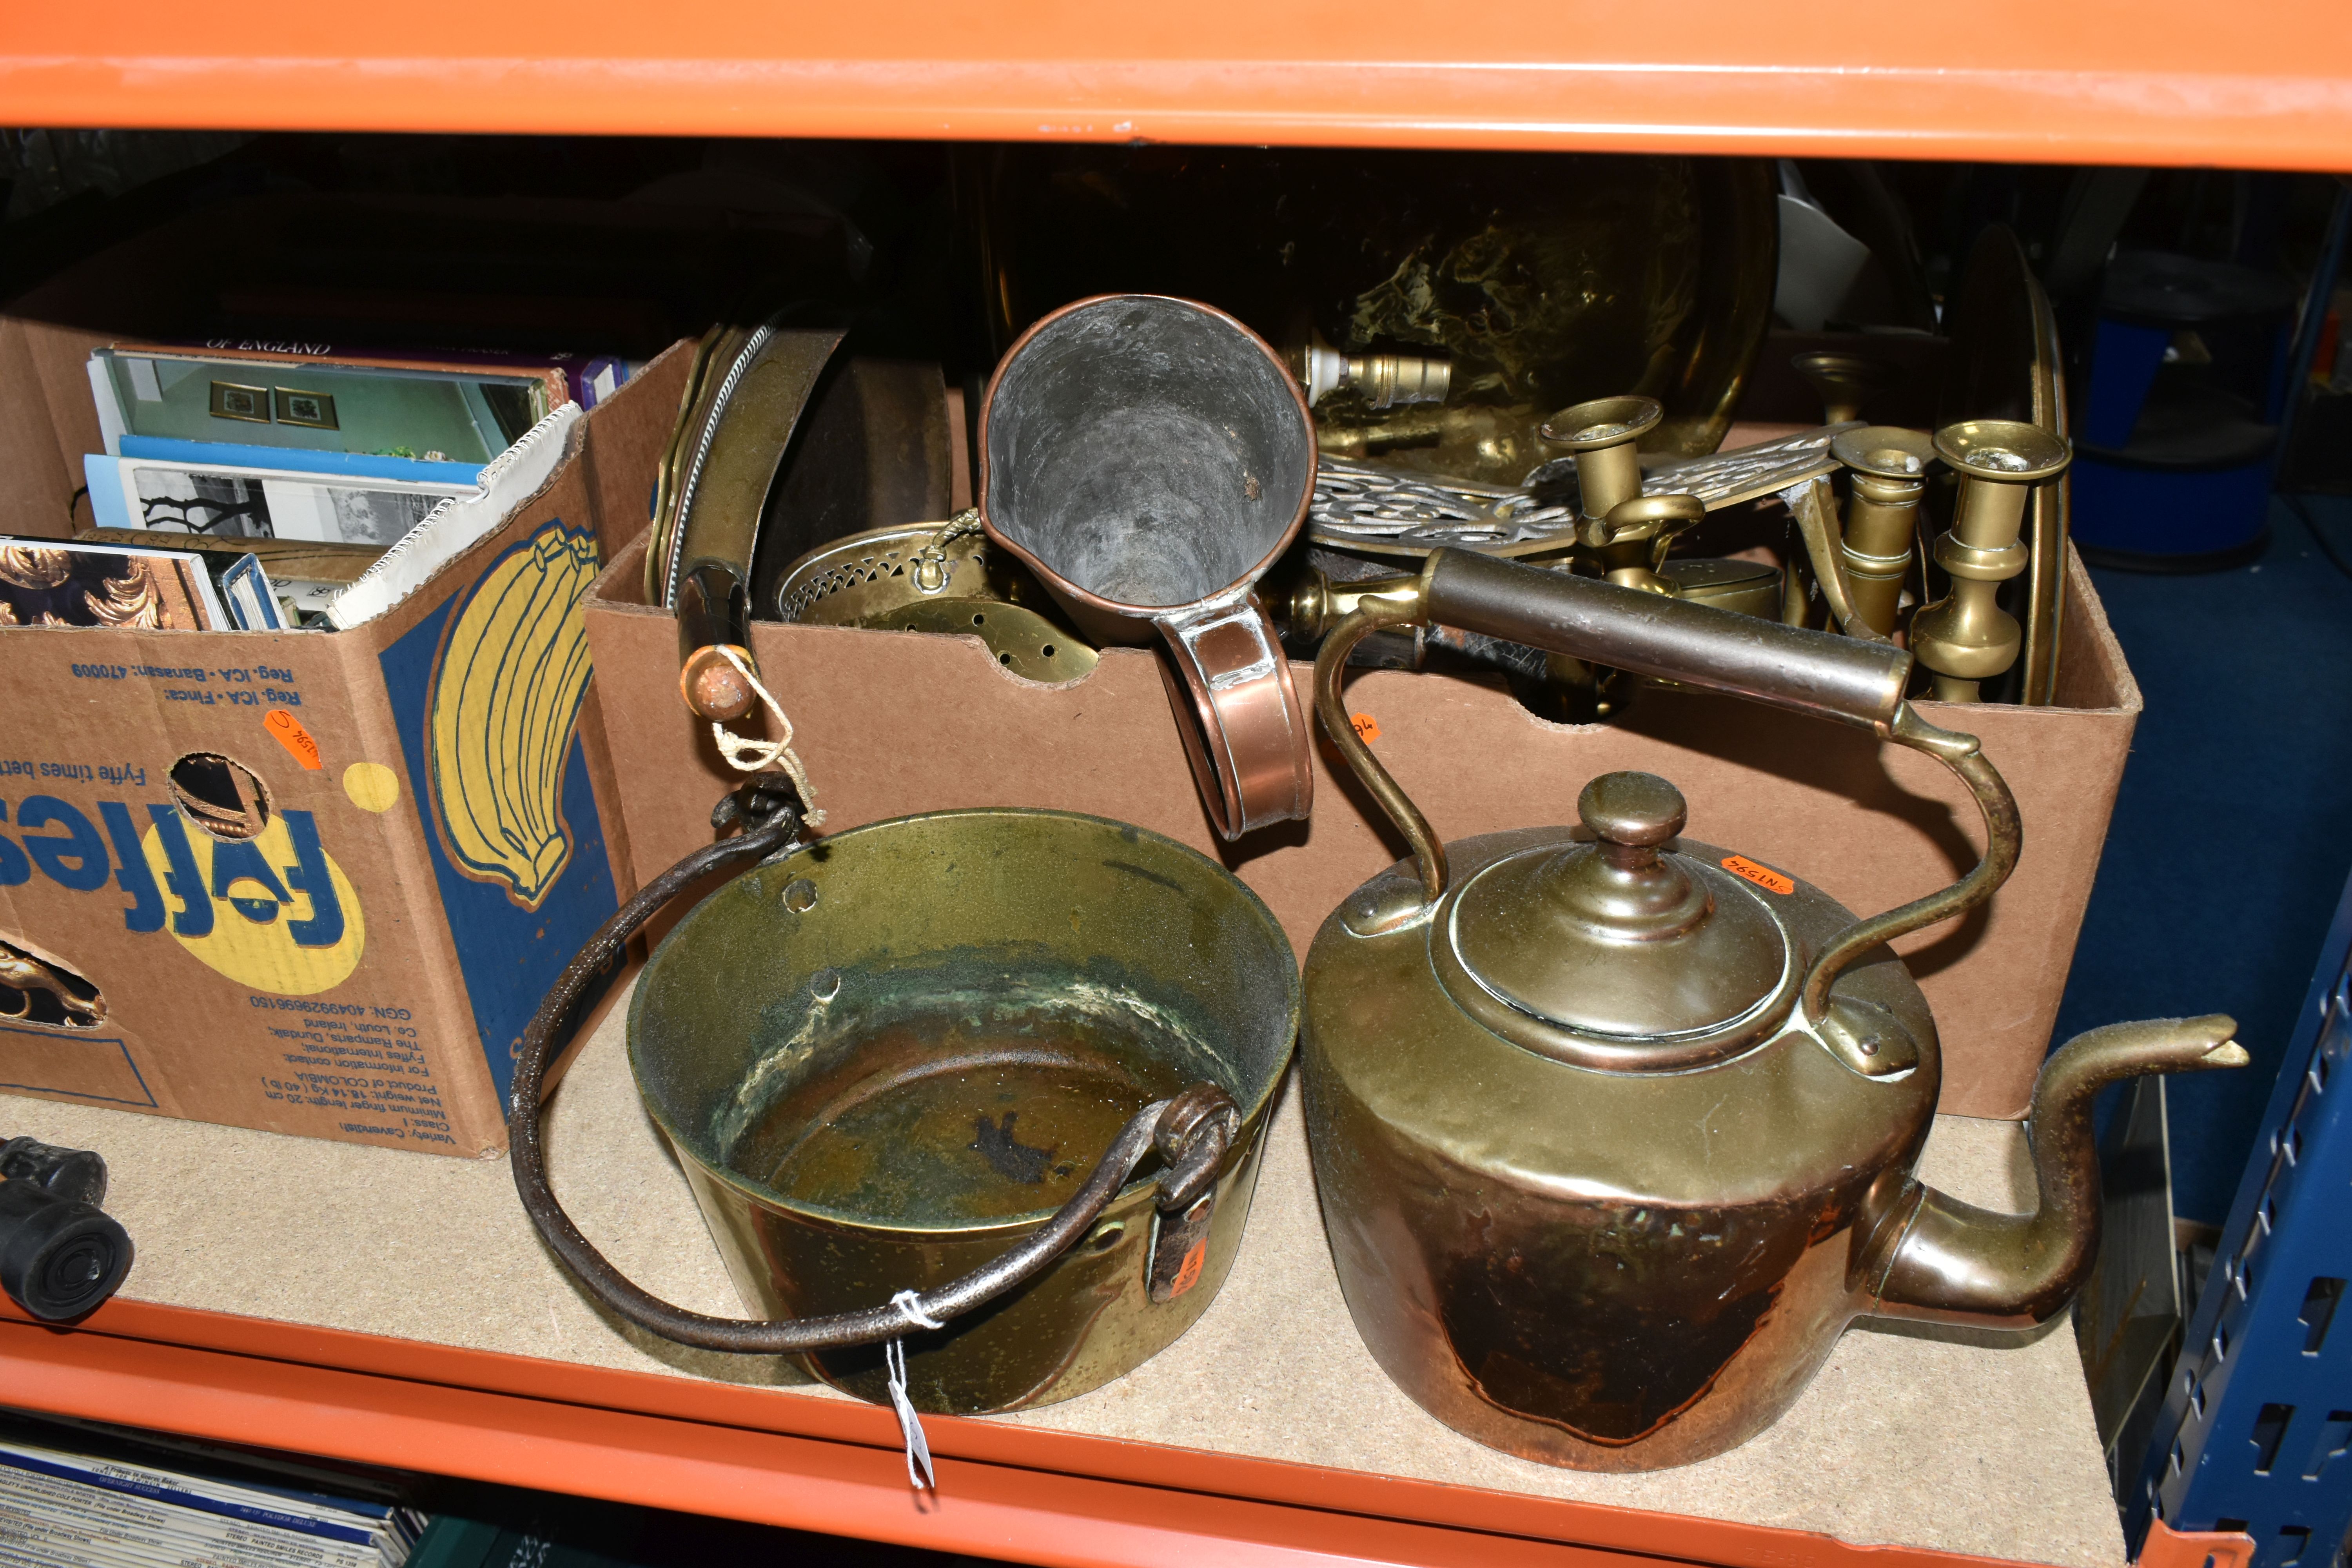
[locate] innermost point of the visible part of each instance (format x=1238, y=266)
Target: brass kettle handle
x=1830, y=677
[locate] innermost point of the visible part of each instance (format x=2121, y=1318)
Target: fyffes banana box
x=317, y=882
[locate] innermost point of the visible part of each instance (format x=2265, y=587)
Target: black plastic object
x=59, y=1255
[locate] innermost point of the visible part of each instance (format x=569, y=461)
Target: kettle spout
x=1950, y=1261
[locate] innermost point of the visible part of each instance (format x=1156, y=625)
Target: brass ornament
x=1888, y=476
x=130, y=600
x=853, y=580
x=1371, y=509
x=1966, y=638
x=1541, y=279
x=1030, y=644
x=34, y=566
x=1374, y=510
x=2006, y=363
x=943, y=578
x=27, y=972
x=1746, y=587
x=1604, y=437
x=1377, y=380
x=719, y=342
x=1844, y=381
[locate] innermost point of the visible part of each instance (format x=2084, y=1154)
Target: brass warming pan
x=1017, y=1059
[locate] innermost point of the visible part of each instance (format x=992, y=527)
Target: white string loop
x=910, y=1426
x=910, y=1307
x=750, y=756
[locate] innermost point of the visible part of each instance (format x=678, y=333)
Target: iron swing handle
x=1192, y=1131
x=1856, y=682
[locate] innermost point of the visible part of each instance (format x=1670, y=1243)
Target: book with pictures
x=585, y=379
x=330, y=465
x=304, y=576
x=68, y=583
x=229, y=501
x=459, y=523
x=251, y=601
x=317, y=405
x=63, y=1507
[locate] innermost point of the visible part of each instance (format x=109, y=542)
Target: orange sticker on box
x=1764, y=877
x=1368, y=729
x=293, y=737
x=1190, y=1274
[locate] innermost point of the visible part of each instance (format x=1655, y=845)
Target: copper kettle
x=1615, y=1131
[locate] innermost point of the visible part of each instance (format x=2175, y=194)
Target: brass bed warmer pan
x=1614, y=1131
x=1016, y=1063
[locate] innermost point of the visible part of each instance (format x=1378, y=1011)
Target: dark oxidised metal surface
x=1544, y=279
x=887, y=1055
x=1581, y=1210
x=1605, y=1271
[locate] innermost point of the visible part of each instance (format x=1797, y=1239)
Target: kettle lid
x=1618, y=953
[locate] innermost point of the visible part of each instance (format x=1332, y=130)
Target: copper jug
x=1614, y=1131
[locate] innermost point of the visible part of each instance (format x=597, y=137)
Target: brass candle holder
x=1622, y=531
x=1966, y=638
x=1889, y=468
x=1603, y=435
x=1382, y=381
x=1843, y=381
x=1630, y=545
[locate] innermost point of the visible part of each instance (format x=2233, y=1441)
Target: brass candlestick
x=1630, y=545
x=1889, y=464
x=1603, y=435
x=1843, y=381
x=1965, y=637
x=1621, y=531
x=1382, y=381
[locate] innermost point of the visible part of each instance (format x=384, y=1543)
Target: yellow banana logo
x=506, y=693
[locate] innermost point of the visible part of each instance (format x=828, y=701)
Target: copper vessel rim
x=1254, y=1109
x=1094, y=600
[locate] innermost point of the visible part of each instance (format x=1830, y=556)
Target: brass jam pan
x=892, y=1060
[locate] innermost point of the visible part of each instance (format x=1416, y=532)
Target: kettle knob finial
x=1634, y=811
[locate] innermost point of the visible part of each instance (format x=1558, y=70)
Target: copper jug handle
x=1846, y=678
x=1191, y=1131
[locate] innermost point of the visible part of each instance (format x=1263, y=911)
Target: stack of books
x=291, y=473
x=67, y=1509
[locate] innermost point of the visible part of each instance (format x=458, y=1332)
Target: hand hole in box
x=221, y=794
x=39, y=987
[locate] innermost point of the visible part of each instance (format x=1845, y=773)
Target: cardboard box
x=892, y=722
x=429, y=852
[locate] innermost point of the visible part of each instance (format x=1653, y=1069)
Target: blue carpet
x=2232, y=830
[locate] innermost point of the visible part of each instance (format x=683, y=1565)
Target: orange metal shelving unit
x=1053, y=1498
x=2267, y=84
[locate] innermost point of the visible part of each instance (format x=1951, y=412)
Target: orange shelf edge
x=1046, y=1498
x=2158, y=81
